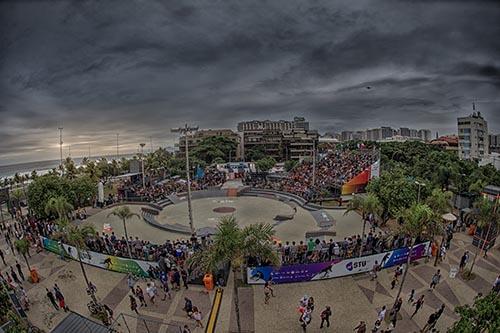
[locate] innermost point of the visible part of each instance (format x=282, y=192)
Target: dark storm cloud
x=142, y=67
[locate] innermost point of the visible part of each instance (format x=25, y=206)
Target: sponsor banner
x=334, y=268
x=112, y=263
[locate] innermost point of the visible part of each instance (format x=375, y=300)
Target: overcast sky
x=139, y=68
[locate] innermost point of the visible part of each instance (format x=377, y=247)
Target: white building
x=472, y=137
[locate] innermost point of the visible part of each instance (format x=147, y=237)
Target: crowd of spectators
x=162, y=189
x=333, y=170
x=314, y=250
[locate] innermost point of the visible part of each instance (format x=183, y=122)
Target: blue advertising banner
x=334, y=268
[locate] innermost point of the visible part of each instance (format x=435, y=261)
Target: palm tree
x=234, y=245
x=124, y=213
x=17, y=195
x=486, y=215
x=367, y=205
x=417, y=222
x=75, y=236
x=59, y=206
x=23, y=246
x=440, y=202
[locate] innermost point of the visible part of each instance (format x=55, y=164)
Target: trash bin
x=34, y=276
x=208, y=281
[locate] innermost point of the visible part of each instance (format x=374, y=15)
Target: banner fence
x=112, y=263
x=334, y=268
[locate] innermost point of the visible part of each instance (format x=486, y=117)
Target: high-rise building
x=472, y=136
x=387, y=132
x=424, y=135
x=280, y=139
x=195, y=139
x=404, y=131
x=346, y=135
x=494, y=143
x=374, y=134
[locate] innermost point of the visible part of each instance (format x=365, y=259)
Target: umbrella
x=449, y=217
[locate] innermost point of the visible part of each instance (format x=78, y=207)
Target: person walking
x=496, y=285
x=463, y=261
x=325, y=316
x=267, y=293
x=411, y=298
x=133, y=304
x=19, y=270
x=305, y=319
x=433, y=318
x=394, y=281
x=52, y=299
x=188, y=307
x=376, y=326
x=184, y=276
x=131, y=283
x=2, y=256
x=197, y=317
x=398, y=305
x=140, y=295
x=418, y=304
x=361, y=328
x=166, y=289
x=60, y=299
x=435, y=279
x=14, y=275
x=381, y=314
x=430, y=322
x=151, y=291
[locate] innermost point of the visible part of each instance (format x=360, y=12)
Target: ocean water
x=42, y=167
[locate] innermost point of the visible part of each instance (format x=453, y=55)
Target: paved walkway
x=357, y=298
x=351, y=298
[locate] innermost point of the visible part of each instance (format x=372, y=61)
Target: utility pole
x=60, y=148
x=142, y=162
x=418, y=195
x=185, y=131
x=117, y=147
x=151, y=140
x=314, y=162
x=89, y=152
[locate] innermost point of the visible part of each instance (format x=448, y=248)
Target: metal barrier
x=123, y=324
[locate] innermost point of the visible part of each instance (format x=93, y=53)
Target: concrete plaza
x=352, y=298
x=247, y=210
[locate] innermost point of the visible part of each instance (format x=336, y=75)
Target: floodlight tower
x=186, y=130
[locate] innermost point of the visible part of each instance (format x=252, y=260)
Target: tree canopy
x=482, y=316
x=79, y=191
x=215, y=147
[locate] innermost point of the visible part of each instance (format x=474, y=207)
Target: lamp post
x=60, y=147
x=142, y=165
x=185, y=131
x=314, y=162
x=419, y=185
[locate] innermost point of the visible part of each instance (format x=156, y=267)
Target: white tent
x=449, y=217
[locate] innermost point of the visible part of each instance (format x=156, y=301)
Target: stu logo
x=354, y=265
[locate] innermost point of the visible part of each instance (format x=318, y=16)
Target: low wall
x=112, y=263
x=334, y=268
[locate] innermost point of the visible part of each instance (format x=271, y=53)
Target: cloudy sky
x=139, y=68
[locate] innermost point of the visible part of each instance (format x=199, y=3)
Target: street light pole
x=142, y=163
x=314, y=162
x=60, y=148
x=185, y=131
x=418, y=195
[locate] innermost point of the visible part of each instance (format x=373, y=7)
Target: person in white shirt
x=151, y=291
x=381, y=314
